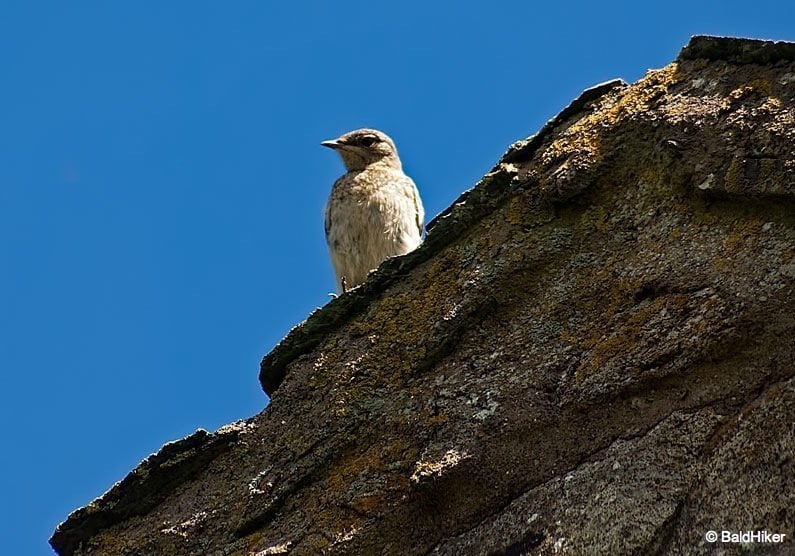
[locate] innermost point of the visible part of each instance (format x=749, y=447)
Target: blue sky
x=162, y=189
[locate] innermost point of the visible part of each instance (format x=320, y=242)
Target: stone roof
x=591, y=352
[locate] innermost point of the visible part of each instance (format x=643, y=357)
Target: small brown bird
x=374, y=211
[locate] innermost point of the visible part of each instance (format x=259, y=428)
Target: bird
x=374, y=210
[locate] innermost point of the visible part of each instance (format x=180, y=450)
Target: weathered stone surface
x=592, y=353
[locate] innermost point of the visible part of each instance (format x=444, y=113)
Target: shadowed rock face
x=592, y=352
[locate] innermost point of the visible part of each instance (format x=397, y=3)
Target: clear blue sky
x=162, y=189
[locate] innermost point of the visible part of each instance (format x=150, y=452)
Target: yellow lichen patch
x=368, y=504
x=657, y=181
x=437, y=419
x=745, y=235
x=650, y=175
x=389, y=342
x=759, y=86
x=579, y=146
x=605, y=303
x=771, y=104
x=627, y=334
x=376, y=460
x=401, y=328
x=639, y=97
x=359, y=481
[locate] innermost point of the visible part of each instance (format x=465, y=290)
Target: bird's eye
x=367, y=141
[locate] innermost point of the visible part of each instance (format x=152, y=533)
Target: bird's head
x=363, y=147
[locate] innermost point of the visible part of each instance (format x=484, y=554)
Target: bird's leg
x=344, y=285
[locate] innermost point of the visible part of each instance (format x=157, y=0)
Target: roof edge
x=442, y=230
x=737, y=50
x=145, y=486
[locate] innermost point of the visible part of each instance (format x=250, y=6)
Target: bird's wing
x=327, y=223
x=327, y=214
x=418, y=206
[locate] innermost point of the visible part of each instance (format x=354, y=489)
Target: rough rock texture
x=592, y=353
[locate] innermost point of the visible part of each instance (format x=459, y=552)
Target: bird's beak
x=333, y=144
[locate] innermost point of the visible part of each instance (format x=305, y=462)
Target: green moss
x=771, y=178
x=735, y=176
x=516, y=210
x=595, y=218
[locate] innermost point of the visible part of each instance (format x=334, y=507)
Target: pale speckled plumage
x=374, y=211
